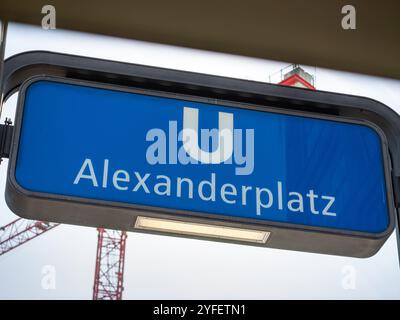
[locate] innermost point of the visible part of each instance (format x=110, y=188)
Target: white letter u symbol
x=191, y=138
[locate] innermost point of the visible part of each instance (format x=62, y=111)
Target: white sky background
x=159, y=267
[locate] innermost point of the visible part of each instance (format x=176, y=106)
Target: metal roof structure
x=305, y=32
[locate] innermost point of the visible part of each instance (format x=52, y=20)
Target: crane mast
x=110, y=258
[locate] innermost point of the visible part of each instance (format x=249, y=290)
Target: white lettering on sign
x=227, y=143
x=191, y=137
x=207, y=190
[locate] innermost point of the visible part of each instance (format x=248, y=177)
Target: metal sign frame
x=20, y=69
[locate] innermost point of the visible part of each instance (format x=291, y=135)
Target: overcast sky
x=159, y=267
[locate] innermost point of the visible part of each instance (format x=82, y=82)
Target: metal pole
x=397, y=230
x=3, y=35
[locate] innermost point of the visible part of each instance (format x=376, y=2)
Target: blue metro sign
x=201, y=158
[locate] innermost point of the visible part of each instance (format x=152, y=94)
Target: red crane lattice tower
x=110, y=258
x=20, y=231
x=110, y=263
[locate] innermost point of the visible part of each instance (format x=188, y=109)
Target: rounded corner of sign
x=32, y=80
x=370, y=252
x=385, y=234
x=376, y=129
x=16, y=199
x=378, y=104
x=14, y=187
x=390, y=228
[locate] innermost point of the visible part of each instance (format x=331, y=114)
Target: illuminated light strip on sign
x=202, y=230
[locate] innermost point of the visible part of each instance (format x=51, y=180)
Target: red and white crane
x=110, y=258
x=110, y=262
x=20, y=231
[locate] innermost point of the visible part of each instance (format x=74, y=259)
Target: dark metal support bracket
x=6, y=134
